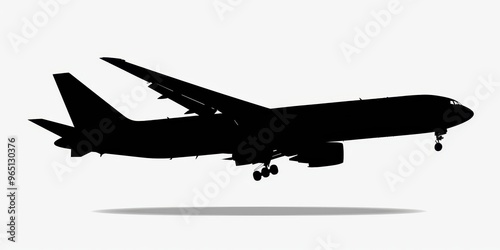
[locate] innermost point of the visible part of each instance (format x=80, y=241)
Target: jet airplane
x=249, y=133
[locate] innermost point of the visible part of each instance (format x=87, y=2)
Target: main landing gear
x=265, y=172
x=439, y=136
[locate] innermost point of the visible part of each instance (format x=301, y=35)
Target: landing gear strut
x=265, y=172
x=439, y=136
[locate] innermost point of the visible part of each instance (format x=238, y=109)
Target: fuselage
x=339, y=121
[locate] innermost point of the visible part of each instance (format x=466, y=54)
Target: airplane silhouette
x=251, y=133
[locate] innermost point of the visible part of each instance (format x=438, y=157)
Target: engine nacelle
x=321, y=155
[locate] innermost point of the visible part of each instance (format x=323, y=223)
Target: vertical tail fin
x=93, y=119
x=86, y=109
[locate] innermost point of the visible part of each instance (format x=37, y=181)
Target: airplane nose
x=457, y=114
x=468, y=113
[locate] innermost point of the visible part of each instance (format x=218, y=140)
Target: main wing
x=196, y=99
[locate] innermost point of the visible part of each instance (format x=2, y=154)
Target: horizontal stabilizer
x=54, y=127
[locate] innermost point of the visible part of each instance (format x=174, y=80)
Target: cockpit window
x=453, y=102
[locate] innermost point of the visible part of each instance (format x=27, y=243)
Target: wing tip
x=36, y=121
x=112, y=59
x=61, y=74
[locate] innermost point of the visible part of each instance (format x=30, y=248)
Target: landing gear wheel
x=256, y=176
x=273, y=169
x=265, y=172
x=438, y=146
x=439, y=136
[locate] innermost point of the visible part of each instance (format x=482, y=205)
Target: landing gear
x=274, y=169
x=265, y=172
x=256, y=175
x=439, y=136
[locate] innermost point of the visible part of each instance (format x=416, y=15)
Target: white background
x=272, y=53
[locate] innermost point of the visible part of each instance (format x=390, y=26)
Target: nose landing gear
x=438, y=146
x=265, y=172
x=439, y=136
